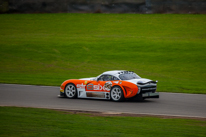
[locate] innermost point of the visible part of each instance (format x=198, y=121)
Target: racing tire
x=116, y=94
x=70, y=91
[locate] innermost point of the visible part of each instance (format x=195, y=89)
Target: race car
x=116, y=85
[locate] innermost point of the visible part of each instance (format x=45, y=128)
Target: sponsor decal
x=81, y=86
x=90, y=87
x=100, y=87
x=126, y=72
x=108, y=85
x=85, y=82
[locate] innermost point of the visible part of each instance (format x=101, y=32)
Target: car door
x=99, y=87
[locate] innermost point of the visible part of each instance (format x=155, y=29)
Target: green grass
x=18, y=122
x=46, y=49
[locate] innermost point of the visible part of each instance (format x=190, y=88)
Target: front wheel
x=116, y=94
x=70, y=91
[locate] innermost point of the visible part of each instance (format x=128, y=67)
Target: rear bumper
x=150, y=95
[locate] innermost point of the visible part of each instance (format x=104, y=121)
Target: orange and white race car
x=116, y=85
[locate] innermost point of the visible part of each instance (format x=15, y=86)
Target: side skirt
x=92, y=94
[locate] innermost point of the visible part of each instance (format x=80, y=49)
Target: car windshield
x=128, y=76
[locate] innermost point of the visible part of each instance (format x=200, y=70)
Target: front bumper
x=150, y=95
x=62, y=93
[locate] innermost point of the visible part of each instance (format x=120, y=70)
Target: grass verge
x=46, y=49
x=16, y=122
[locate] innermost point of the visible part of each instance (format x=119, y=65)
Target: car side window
x=107, y=78
x=104, y=78
x=115, y=78
x=100, y=78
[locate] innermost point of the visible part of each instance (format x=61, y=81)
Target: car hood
x=141, y=80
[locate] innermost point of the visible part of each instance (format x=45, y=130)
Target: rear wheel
x=70, y=91
x=116, y=94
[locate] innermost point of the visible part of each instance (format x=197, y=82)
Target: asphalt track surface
x=169, y=104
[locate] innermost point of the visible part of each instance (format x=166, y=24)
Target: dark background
x=103, y=6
